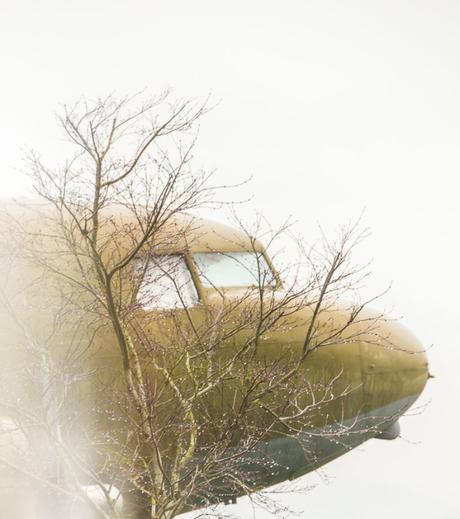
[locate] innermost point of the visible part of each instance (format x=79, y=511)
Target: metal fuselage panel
x=376, y=372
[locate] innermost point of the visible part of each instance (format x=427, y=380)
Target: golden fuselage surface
x=357, y=377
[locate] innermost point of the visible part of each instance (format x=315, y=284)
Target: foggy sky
x=332, y=108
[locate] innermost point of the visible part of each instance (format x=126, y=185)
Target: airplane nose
x=395, y=369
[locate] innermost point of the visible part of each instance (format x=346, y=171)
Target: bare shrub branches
x=185, y=400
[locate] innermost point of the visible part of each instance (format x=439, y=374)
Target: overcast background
x=331, y=107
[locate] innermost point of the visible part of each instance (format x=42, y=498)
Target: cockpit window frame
x=276, y=285
x=193, y=278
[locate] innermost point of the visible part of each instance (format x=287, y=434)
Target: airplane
x=353, y=387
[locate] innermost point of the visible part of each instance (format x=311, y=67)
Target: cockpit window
x=165, y=282
x=233, y=269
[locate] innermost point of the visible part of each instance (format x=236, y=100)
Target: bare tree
x=174, y=405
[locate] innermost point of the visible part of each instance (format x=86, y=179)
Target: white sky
x=331, y=107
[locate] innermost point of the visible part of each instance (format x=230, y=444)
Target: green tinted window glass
x=233, y=269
